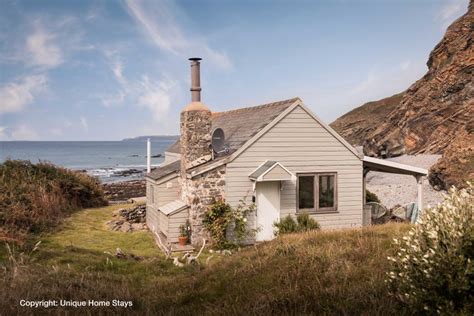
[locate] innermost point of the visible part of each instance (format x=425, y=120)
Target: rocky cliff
x=434, y=115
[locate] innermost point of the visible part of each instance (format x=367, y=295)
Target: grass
x=335, y=272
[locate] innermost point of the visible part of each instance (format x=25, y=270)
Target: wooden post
x=419, y=181
x=148, y=155
x=364, y=188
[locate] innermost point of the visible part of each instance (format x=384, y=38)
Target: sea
x=110, y=161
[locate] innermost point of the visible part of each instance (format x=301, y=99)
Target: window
x=317, y=192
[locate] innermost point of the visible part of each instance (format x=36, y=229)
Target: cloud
x=3, y=134
x=23, y=132
x=387, y=81
x=146, y=92
x=156, y=96
x=42, y=49
x=84, y=124
x=157, y=20
x=56, y=131
x=113, y=100
x=451, y=11
x=15, y=95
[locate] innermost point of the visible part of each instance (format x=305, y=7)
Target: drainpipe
x=148, y=155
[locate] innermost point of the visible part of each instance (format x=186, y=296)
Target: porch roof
x=271, y=171
x=381, y=165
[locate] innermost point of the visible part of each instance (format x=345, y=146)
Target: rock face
x=121, y=191
x=129, y=219
x=435, y=113
x=355, y=126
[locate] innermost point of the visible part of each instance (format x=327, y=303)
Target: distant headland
x=151, y=137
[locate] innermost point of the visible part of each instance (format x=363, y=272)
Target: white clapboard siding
x=301, y=144
x=174, y=222
x=163, y=193
x=277, y=172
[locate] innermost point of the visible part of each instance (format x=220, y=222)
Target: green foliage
x=216, y=220
x=433, y=269
x=240, y=216
x=182, y=231
x=220, y=216
x=303, y=223
x=34, y=197
x=188, y=230
x=306, y=223
x=371, y=197
x=286, y=226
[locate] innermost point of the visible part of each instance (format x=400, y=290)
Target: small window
x=317, y=192
x=306, y=192
x=326, y=195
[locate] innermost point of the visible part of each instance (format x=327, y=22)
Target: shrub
x=34, y=197
x=220, y=216
x=216, y=220
x=303, y=223
x=286, y=226
x=433, y=269
x=371, y=197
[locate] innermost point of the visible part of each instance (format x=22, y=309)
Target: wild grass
x=35, y=197
x=317, y=272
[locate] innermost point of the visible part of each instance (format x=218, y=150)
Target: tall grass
x=316, y=272
x=34, y=197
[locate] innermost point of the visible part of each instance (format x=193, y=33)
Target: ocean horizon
x=110, y=161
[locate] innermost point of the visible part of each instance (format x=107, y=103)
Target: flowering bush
x=433, y=270
x=221, y=215
x=240, y=215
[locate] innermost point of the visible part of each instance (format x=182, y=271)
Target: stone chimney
x=195, y=125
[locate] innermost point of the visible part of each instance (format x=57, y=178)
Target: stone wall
x=195, y=137
x=200, y=194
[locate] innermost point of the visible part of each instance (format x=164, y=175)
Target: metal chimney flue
x=195, y=79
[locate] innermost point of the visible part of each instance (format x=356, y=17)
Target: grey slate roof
x=239, y=126
x=261, y=170
x=160, y=172
x=242, y=124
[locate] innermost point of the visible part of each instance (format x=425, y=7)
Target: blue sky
x=106, y=70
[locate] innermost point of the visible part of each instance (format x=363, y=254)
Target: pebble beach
x=394, y=189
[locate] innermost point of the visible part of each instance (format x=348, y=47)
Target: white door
x=268, y=208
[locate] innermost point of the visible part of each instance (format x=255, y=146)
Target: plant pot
x=183, y=240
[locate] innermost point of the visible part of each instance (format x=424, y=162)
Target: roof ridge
x=292, y=100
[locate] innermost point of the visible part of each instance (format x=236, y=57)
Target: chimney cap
x=196, y=106
x=195, y=58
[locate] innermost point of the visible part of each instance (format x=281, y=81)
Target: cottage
x=279, y=155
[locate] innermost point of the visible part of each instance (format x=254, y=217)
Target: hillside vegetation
x=35, y=197
x=319, y=272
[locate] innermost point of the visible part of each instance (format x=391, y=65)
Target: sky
x=107, y=70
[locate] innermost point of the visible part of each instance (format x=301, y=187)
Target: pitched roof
x=262, y=169
x=242, y=124
x=161, y=172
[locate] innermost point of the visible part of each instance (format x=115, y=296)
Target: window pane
x=326, y=191
x=306, y=192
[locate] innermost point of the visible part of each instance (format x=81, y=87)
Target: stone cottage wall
x=200, y=193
